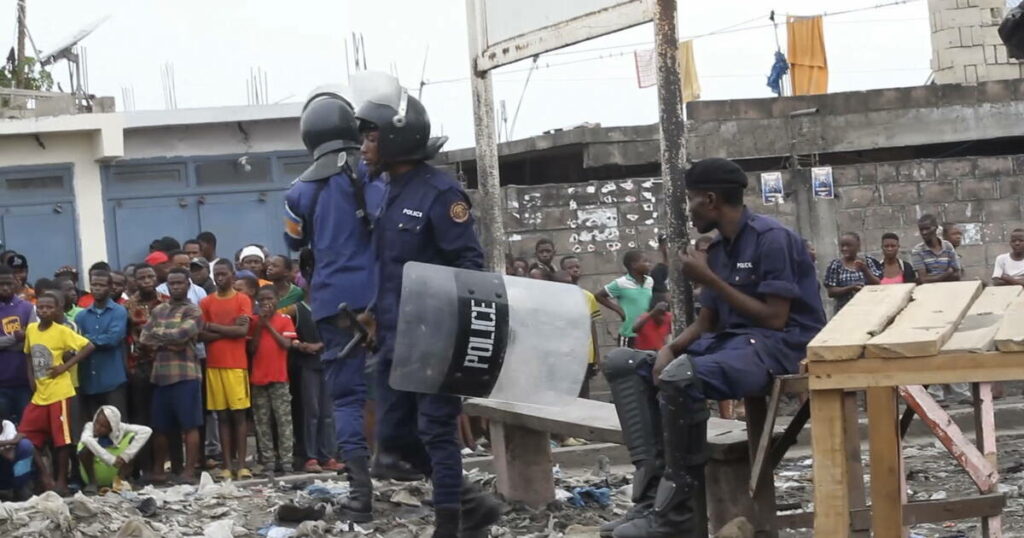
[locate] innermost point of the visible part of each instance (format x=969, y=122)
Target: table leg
x=985, y=434
x=887, y=483
x=855, y=469
x=828, y=440
x=522, y=463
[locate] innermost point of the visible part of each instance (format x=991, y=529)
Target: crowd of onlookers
x=156, y=371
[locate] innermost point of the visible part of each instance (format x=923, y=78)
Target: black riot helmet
x=329, y=128
x=402, y=124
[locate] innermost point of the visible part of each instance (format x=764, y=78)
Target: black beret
x=715, y=173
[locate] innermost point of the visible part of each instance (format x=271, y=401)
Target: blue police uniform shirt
x=766, y=258
x=103, y=370
x=425, y=218
x=322, y=215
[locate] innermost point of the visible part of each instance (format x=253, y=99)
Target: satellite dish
x=65, y=49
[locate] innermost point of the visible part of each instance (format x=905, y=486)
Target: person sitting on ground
x=16, y=456
x=652, y=328
x=894, y=269
x=847, y=275
x=107, y=449
x=1009, y=267
x=271, y=336
x=47, y=417
x=632, y=293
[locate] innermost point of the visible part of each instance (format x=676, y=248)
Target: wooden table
x=882, y=379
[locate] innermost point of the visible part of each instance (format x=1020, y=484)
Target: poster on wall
x=771, y=188
x=821, y=182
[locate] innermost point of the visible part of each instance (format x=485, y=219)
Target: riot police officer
x=425, y=218
x=760, y=308
x=327, y=209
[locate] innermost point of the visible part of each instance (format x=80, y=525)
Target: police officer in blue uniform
x=760, y=308
x=327, y=209
x=425, y=218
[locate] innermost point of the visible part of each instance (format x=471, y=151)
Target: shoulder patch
x=459, y=211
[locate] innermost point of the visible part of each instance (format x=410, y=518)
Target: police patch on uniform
x=459, y=211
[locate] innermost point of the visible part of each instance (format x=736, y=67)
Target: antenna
x=362, y=48
x=355, y=48
x=77, y=63
x=423, y=73
x=170, y=89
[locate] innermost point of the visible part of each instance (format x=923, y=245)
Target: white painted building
x=77, y=189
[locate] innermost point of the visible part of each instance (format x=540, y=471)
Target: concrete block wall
x=980, y=194
x=966, y=48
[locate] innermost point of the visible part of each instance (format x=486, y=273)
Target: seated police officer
x=760, y=308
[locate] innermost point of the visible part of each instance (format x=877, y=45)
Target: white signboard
x=517, y=29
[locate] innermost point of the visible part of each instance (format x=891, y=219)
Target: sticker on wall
x=771, y=188
x=821, y=183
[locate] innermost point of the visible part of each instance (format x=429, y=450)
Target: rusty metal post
x=492, y=213
x=673, y=153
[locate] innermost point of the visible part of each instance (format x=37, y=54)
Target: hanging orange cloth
x=806, y=55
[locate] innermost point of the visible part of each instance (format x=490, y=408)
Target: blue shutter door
x=139, y=222
x=44, y=233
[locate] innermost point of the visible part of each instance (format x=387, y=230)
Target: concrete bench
x=522, y=453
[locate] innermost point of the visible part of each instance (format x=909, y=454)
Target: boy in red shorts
x=47, y=418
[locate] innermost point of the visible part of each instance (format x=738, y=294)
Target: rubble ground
x=586, y=498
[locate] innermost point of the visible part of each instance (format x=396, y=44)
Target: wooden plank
x=914, y=513
x=596, y=421
x=828, y=441
x=977, y=331
x=854, y=466
x=866, y=315
x=1010, y=336
x=952, y=368
x=763, y=499
x=522, y=463
x=985, y=435
x=982, y=472
x=789, y=437
x=760, y=453
x=927, y=322
x=887, y=491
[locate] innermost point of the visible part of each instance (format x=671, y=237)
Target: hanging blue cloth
x=779, y=69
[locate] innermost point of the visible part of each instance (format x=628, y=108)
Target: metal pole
x=673, y=153
x=19, y=62
x=491, y=214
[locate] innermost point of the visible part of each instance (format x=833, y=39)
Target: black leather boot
x=358, y=506
x=645, y=486
x=479, y=511
x=446, y=521
x=636, y=405
x=390, y=467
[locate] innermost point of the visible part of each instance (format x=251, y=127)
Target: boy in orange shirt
x=225, y=328
x=271, y=336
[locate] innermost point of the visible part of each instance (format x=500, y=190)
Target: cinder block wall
x=599, y=221
x=966, y=48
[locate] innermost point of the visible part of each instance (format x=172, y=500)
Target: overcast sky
x=301, y=44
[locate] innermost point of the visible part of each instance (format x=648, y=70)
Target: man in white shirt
x=1009, y=267
x=196, y=293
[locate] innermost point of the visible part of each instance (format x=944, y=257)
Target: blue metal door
x=44, y=233
x=138, y=222
x=242, y=219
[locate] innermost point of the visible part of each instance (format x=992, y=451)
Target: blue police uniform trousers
x=728, y=365
x=432, y=447
x=346, y=381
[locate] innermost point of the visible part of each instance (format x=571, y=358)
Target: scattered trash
x=938, y=496
x=583, y=496
x=295, y=514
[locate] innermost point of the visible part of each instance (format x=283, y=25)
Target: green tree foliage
x=33, y=76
